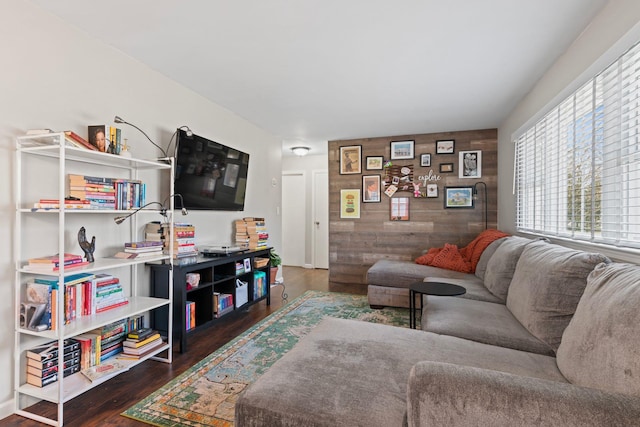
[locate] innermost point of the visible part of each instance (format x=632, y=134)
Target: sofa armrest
x=441, y=394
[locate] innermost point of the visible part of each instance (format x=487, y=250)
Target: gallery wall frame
x=446, y=168
x=350, y=159
x=425, y=160
x=350, y=203
x=445, y=146
x=432, y=190
x=374, y=163
x=458, y=197
x=399, y=209
x=401, y=150
x=371, y=189
x=470, y=164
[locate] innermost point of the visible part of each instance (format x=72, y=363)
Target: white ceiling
x=309, y=71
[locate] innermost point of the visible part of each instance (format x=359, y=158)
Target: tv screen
x=209, y=175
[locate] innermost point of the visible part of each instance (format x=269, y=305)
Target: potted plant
x=274, y=262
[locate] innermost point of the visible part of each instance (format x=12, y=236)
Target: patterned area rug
x=205, y=394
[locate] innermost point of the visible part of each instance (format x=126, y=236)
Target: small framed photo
x=374, y=162
x=445, y=146
x=446, y=167
x=432, y=190
x=400, y=209
x=402, y=150
x=458, y=197
x=247, y=265
x=371, y=189
x=350, y=159
x=425, y=160
x=470, y=164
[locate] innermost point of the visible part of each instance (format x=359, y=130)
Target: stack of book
x=141, y=342
x=75, y=140
x=222, y=304
x=109, y=293
x=90, y=348
x=145, y=248
x=184, y=239
x=52, y=263
x=251, y=232
x=130, y=194
x=42, y=362
x=69, y=203
x=111, y=338
x=98, y=191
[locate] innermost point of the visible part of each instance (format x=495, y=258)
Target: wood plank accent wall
x=356, y=244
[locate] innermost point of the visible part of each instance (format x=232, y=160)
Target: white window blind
x=578, y=168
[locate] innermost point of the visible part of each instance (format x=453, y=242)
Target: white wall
x=308, y=164
x=613, y=31
x=54, y=76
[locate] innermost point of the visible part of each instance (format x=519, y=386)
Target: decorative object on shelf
x=371, y=188
x=98, y=137
x=458, y=197
x=163, y=209
x=425, y=160
x=124, y=152
x=118, y=119
x=446, y=167
x=350, y=159
x=475, y=195
x=432, y=190
x=350, y=203
x=400, y=209
x=470, y=164
x=300, y=151
x=374, y=162
x=401, y=150
x=445, y=146
x=87, y=247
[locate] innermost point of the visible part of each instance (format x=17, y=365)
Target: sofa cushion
x=400, y=274
x=601, y=346
x=475, y=288
x=481, y=267
x=502, y=265
x=353, y=373
x=546, y=287
x=480, y=321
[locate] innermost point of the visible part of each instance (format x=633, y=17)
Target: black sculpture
x=87, y=247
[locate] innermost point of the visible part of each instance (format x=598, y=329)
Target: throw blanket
x=463, y=260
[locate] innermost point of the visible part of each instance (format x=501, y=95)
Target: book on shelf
x=69, y=203
x=79, y=141
x=49, y=350
x=144, y=349
x=132, y=255
x=143, y=249
x=140, y=334
x=143, y=244
x=67, y=258
x=104, y=371
x=131, y=343
x=90, y=348
x=43, y=364
x=51, y=369
x=41, y=382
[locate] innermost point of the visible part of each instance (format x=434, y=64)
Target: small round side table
x=430, y=288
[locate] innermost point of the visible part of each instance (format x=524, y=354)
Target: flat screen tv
x=209, y=175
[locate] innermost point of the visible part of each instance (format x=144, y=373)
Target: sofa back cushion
x=546, y=287
x=600, y=347
x=481, y=267
x=502, y=265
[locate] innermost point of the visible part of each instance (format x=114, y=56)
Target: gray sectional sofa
x=546, y=336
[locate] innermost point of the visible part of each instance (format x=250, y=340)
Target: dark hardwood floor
x=102, y=405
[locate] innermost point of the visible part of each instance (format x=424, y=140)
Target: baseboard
x=308, y=266
x=6, y=408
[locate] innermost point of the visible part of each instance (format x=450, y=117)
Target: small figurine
x=87, y=247
x=416, y=189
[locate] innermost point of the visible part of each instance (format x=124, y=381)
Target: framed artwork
x=446, y=167
x=425, y=160
x=445, y=146
x=98, y=137
x=402, y=150
x=374, y=162
x=400, y=209
x=350, y=159
x=470, y=164
x=371, y=188
x=432, y=190
x=458, y=197
x=350, y=203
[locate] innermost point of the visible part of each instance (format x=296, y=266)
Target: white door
x=294, y=218
x=320, y=219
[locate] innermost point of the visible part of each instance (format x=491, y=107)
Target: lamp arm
x=121, y=219
x=143, y=132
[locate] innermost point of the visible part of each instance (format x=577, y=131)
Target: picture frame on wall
x=371, y=189
x=350, y=159
x=470, y=164
x=432, y=190
x=374, y=162
x=458, y=197
x=446, y=168
x=425, y=160
x=445, y=146
x=350, y=203
x=401, y=150
x=399, y=209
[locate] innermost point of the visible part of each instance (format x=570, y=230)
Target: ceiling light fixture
x=300, y=151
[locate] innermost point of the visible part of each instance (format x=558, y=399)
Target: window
x=577, y=172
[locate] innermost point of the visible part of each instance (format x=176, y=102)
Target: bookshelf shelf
x=41, y=230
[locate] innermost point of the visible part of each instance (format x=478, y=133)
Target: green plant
x=274, y=258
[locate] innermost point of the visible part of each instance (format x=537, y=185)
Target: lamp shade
x=300, y=151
